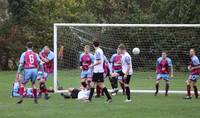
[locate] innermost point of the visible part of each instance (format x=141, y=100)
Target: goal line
x=142, y=91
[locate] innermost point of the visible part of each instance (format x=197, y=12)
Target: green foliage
x=34, y=18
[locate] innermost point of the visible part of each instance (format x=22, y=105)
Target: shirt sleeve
x=92, y=58
x=38, y=59
x=105, y=59
x=50, y=56
x=195, y=61
x=127, y=60
x=21, y=61
x=111, y=59
x=98, y=55
x=158, y=62
x=169, y=62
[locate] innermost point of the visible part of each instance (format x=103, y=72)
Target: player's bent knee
x=92, y=84
x=101, y=85
x=126, y=85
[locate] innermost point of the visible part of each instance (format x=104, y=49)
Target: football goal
x=152, y=39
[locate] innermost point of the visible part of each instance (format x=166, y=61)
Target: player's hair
x=87, y=47
x=121, y=46
x=164, y=52
x=29, y=44
x=96, y=43
x=192, y=49
x=46, y=46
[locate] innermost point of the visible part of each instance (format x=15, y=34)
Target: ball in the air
x=136, y=51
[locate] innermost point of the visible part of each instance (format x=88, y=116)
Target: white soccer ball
x=136, y=51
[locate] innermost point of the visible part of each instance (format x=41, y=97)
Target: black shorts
x=108, y=73
x=120, y=73
x=74, y=93
x=127, y=80
x=98, y=77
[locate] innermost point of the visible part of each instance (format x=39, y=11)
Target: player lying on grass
x=194, y=69
x=86, y=59
x=164, y=68
x=29, y=63
x=81, y=94
x=28, y=92
x=116, y=72
x=98, y=73
x=16, y=85
x=126, y=69
x=47, y=58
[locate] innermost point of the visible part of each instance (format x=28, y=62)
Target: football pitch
x=144, y=105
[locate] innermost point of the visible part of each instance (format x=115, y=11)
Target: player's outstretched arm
x=97, y=63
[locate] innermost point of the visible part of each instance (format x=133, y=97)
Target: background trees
x=24, y=20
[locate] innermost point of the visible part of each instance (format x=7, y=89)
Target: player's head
x=192, y=52
x=118, y=51
x=46, y=49
x=164, y=54
x=87, y=48
x=95, y=44
x=29, y=45
x=122, y=48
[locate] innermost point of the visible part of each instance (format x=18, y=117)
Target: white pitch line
x=141, y=91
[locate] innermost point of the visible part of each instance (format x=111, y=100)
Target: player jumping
x=126, y=69
x=29, y=61
x=86, y=59
x=98, y=73
x=194, y=69
x=164, y=67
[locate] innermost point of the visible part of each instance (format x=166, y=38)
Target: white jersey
x=127, y=60
x=83, y=94
x=98, y=56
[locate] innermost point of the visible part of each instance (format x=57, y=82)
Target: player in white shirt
x=126, y=69
x=98, y=73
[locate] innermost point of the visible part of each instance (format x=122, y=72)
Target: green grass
x=143, y=106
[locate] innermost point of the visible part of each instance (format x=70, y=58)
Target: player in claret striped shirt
x=29, y=62
x=86, y=59
x=194, y=68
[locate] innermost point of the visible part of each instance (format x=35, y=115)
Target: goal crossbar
x=124, y=25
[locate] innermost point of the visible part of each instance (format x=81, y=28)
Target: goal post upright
x=55, y=58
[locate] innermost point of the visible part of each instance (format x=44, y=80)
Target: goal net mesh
x=176, y=41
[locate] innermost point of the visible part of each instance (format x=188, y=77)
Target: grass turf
x=143, y=105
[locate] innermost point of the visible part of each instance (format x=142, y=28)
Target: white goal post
x=70, y=25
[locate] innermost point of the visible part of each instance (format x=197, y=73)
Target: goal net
x=152, y=39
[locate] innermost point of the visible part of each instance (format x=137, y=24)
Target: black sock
x=157, y=88
x=91, y=94
x=166, y=88
x=112, y=82
x=106, y=93
x=115, y=82
x=128, y=93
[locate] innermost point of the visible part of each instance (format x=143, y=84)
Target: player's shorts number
x=31, y=59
